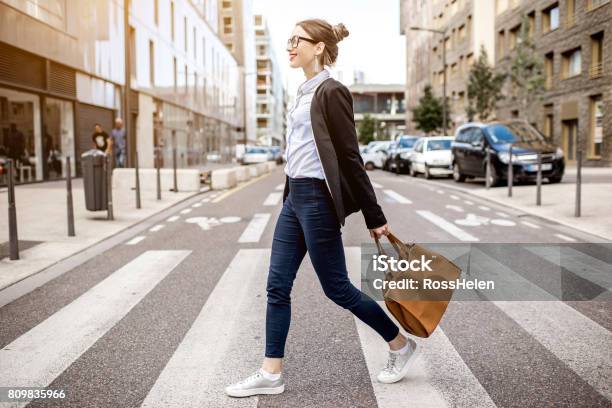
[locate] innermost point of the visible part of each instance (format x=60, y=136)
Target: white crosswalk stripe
x=273, y=199
x=37, y=357
x=255, y=229
x=397, y=197
x=447, y=226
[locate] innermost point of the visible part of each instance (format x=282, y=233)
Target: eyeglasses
x=294, y=41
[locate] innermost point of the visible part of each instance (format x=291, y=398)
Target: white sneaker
x=397, y=365
x=255, y=384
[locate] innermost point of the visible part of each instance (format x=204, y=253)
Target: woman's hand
x=380, y=231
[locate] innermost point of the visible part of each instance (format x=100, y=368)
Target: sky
x=373, y=46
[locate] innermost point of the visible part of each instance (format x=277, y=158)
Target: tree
x=484, y=88
x=527, y=79
x=427, y=115
x=366, y=129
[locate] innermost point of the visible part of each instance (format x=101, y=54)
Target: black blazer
x=333, y=126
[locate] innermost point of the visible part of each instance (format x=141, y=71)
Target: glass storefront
x=38, y=144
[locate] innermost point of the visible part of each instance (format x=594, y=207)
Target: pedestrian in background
x=118, y=139
x=322, y=187
x=100, y=139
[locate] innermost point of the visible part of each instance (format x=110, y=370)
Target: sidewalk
x=558, y=200
x=42, y=222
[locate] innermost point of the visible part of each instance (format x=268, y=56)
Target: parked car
x=390, y=153
x=472, y=140
x=432, y=157
x=376, y=153
x=256, y=155
x=399, y=161
x=276, y=154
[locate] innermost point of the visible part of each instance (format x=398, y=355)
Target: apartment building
x=438, y=30
x=271, y=97
x=385, y=103
x=63, y=69
x=238, y=35
x=574, y=39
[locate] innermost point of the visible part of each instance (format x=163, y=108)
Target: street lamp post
x=443, y=33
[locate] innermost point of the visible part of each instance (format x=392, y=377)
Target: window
x=462, y=32
x=501, y=42
x=186, y=79
x=185, y=32
x=151, y=63
x=227, y=25
x=596, y=69
x=172, y=20
x=195, y=47
x=133, y=52
x=227, y=4
x=570, y=13
x=548, y=124
x=549, y=69
x=596, y=126
x=550, y=18
x=204, y=52
x=470, y=60
x=572, y=63
x=175, y=73
x=532, y=24
x=514, y=36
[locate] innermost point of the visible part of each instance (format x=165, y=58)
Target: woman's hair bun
x=340, y=31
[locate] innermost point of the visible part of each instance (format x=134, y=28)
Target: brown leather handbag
x=418, y=310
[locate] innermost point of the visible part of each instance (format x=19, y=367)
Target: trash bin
x=94, y=180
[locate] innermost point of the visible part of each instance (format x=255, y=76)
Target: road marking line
x=173, y=218
x=454, y=197
x=156, y=228
x=447, y=226
x=273, y=199
x=502, y=214
x=454, y=208
x=199, y=368
x=440, y=191
x=468, y=202
x=186, y=211
x=38, y=356
x=397, y=197
x=376, y=185
x=253, y=231
x=530, y=225
x=484, y=208
x=196, y=205
x=565, y=237
x=280, y=186
x=135, y=240
x=205, y=200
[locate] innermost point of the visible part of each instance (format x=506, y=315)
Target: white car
x=256, y=155
x=432, y=156
x=375, y=154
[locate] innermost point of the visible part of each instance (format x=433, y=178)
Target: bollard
x=578, y=183
x=109, y=188
x=69, y=198
x=488, y=169
x=510, y=172
x=175, y=189
x=12, y=214
x=157, y=160
x=137, y=169
x=539, y=180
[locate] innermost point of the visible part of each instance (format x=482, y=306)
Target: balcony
x=596, y=70
x=594, y=4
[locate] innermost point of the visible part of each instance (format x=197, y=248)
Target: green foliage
x=428, y=114
x=366, y=129
x=484, y=88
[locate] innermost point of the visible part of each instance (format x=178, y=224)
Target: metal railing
x=596, y=70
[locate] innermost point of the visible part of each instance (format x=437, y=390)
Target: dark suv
x=472, y=139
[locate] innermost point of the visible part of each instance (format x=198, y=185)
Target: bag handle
x=395, y=242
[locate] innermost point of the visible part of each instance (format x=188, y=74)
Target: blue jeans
x=308, y=223
x=120, y=157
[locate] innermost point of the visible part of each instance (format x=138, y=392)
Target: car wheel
x=369, y=166
x=458, y=176
x=427, y=173
x=556, y=179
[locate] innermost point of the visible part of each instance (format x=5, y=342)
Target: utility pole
x=131, y=139
x=443, y=33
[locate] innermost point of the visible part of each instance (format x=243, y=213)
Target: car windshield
x=443, y=144
x=407, y=143
x=256, y=150
x=513, y=133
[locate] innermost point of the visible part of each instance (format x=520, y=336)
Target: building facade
x=271, y=108
x=63, y=69
x=464, y=28
x=385, y=103
x=574, y=40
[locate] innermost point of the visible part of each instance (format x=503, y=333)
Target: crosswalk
x=224, y=341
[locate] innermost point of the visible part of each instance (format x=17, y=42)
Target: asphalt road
x=170, y=315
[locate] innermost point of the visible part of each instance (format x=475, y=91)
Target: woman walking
x=325, y=182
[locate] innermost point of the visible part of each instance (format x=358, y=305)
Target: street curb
x=505, y=204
